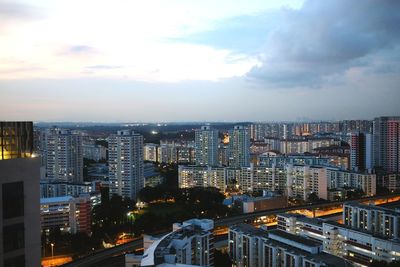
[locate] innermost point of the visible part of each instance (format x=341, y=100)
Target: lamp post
x=52, y=251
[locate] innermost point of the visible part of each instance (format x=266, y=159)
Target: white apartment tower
x=125, y=160
x=64, y=156
x=239, y=147
x=206, y=146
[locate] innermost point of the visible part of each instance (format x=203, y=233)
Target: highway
x=96, y=258
x=102, y=255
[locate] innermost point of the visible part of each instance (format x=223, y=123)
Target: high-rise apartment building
x=361, y=151
x=19, y=196
x=64, y=157
x=239, y=147
x=386, y=131
x=206, y=146
x=125, y=160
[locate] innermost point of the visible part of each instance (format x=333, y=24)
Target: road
x=102, y=257
x=97, y=258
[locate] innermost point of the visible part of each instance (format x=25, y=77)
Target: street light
x=52, y=251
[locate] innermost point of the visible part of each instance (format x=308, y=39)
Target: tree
x=313, y=197
x=221, y=259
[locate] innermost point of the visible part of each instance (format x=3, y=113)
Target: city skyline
x=199, y=61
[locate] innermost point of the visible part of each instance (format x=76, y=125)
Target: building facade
x=239, y=147
x=19, y=196
x=206, y=146
x=253, y=247
x=386, y=141
x=68, y=214
x=125, y=160
x=64, y=156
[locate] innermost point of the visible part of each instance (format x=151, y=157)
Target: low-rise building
x=68, y=214
x=250, y=246
x=190, y=243
x=358, y=245
x=378, y=220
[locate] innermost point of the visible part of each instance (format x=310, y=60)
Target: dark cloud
x=324, y=38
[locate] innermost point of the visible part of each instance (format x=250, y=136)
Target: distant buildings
x=170, y=152
x=94, y=152
x=386, y=142
x=239, y=147
x=63, y=156
x=292, y=180
x=126, y=171
x=206, y=146
x=202, y=176
x=19, y=196
x=189, y=244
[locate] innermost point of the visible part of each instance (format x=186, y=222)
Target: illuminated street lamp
x=52, y=251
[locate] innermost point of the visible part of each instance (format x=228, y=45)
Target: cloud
x=18, y=11
x=105, y=67
x=15, y=13
x=325, y=38
x=309, y=45
x=80, y=49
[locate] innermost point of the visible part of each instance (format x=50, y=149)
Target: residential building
x=378, y=220
x=150, y=152
x=94, y=152
x=361, y=151
x=386, y=142
x=125, y=160
x=253, y=247
x=239, y=147
x=64, y=157
x=357, y=245
x=203, y=176
x=206, y=146
x=59, y=189
x=19, y=196
x=68, y=214
x=337, y=178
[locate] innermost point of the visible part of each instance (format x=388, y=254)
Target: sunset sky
x=187, y=60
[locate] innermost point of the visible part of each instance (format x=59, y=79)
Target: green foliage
x=110, y=217
x=354, y=194
x=183, y=204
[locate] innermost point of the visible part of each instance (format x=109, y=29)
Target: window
x=14, y=237
x=13, y=200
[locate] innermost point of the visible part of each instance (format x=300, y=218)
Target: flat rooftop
x=295, y=238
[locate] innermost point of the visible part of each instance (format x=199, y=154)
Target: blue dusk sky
x=199, y=60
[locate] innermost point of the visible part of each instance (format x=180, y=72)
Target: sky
x=199, y=60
